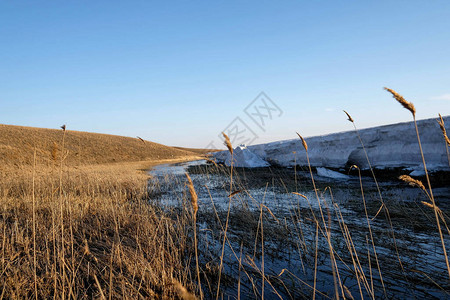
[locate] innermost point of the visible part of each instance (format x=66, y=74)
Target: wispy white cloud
x=328, y=109
x=444, y=97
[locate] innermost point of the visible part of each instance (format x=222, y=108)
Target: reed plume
x=408, y=105
x=303, y=142
x=349, y=117
x=412, y=182
x=228, y=143
x=193, y=194
x=444, y=132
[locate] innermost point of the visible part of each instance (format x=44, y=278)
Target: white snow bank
x=243, y=157
x=387, y=146
x=324, y=172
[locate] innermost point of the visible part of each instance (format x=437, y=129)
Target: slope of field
x=17, y=146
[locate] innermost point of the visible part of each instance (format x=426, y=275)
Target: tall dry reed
x=194, y=203
x=409, y=106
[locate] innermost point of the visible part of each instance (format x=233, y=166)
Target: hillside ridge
x=17, y=145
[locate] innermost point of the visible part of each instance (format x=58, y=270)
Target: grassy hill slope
x=17, y=144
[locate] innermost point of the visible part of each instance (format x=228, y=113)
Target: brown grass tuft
x=408, y=105
x=183, y=292
x=54, y=151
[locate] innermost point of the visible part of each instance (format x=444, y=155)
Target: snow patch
x=417, y=173
x=243, y=157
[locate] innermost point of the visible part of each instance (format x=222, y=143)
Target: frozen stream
x=277, y=242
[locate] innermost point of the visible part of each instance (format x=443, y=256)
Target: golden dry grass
x=76, y=222
x=114, y=243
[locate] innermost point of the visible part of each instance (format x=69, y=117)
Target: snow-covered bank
x=242, y=157
x=388, y=146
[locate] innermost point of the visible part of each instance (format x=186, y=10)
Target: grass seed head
x=353, y=167
x=301, y=195
x=444, y=132
x=408, y=105
x=228, y=143
x=194, y=196
x=411, y=181
x=427, y=204
x=349, y=117
x=303, y=142
x=234, y=193
x=212, y=161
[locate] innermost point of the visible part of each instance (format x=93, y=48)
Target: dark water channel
x=284, y=241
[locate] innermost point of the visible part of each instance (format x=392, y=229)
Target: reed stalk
x=383, y=204
x=61, y=206
x=336, y=276
x=194, y=202
x=370, y=229
x=444, y=134
x=409, y=106
x=34, y=226
x=230, y=149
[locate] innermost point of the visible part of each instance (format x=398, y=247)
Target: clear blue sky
x=179, y=73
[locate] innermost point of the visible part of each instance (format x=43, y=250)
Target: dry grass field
x=75, y=222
